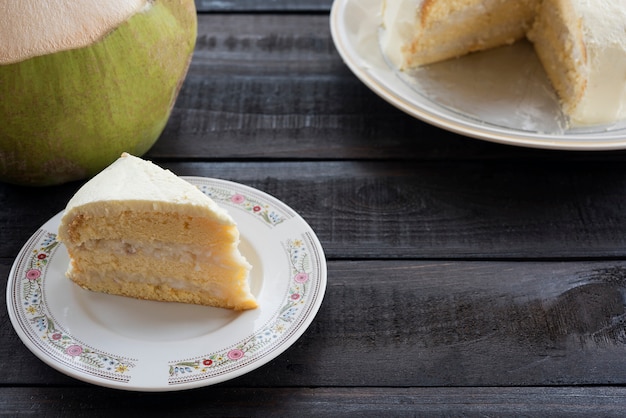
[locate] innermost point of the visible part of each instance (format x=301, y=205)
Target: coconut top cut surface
x=30, y=28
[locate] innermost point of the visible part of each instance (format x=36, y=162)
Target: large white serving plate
x=131, y=344
x=501, y=95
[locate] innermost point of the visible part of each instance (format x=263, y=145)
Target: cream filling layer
x=95, y=278
x=198, y=257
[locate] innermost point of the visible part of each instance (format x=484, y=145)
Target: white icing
x=605, y=98
x=604, y=21
x=604, y=29
x=131, y=183
x=399, y=23
x=29, y=28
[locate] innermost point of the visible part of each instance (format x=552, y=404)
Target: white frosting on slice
x=131, y=183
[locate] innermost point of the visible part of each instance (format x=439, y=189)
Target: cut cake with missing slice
x=580, y=43
x=138, y=230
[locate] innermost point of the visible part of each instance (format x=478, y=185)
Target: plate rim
x=309, y=311
x=462, y=125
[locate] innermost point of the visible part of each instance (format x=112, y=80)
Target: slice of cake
x=138, y=230
x=420, y=32
x=580, y=43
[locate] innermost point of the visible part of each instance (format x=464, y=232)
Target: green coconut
x=102, y=82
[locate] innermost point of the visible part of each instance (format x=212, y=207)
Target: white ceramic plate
x=502, y=95
x=140, y=345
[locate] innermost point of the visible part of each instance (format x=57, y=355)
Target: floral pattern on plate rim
x=255, y=206
x=50, y=334
x=301, y=276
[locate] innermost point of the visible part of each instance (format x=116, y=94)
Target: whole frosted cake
x=138, y=230
x=580, y=43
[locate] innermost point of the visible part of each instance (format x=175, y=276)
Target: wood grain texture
x=416, y=210
x=436, y=323
x=321, y=402
x=289, y=6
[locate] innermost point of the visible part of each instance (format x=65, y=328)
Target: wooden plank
x=435, y=323
x=413, y=210
x=276, y=88
x=25, y=209
x=289, y=6
x=321, y=402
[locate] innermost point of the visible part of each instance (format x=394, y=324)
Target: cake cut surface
x=582, y=46
x=580, y=43
x=427, y=31
x=138, y=230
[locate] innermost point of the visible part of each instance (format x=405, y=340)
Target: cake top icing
x=604, y=21
x=131, y=183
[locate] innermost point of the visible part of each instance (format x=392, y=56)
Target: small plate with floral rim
x=131, y=344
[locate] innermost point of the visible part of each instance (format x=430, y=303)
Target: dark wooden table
x=464, y=277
